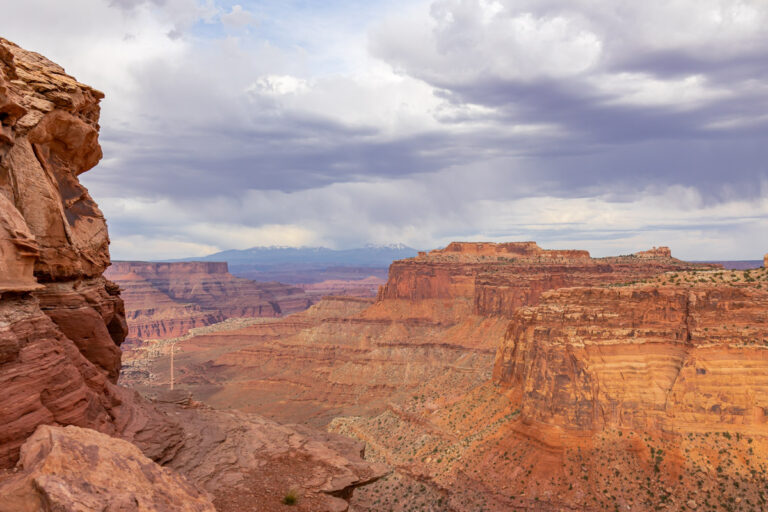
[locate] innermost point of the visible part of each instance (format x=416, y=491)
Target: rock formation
x=248, y=462
x=495, y=279
x=627, y=360
x=80, y=470
x=166, y=300
x=608, y=397
x=61, y=322
x=646, y=356
x=439, y=319
x=61, y=327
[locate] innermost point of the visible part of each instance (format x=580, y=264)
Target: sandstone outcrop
x=81, y=470
x=61, y=326
x=611, y=397
x=496, y=279
x=438, y=320
x=61, y=322
x=686, y=355
x=247, y=462
x=166, y=300
x=591, y=426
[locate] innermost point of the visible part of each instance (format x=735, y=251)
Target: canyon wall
x=61, y=321
x=439, y=320
x=490, y=279
x=663, y=357
x=601, y=359
x=166, y=300
x=617, y=396
x=61, y=327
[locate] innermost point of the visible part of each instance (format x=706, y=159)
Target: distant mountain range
x=368, y=256
x=737, y=264
x=310, y=264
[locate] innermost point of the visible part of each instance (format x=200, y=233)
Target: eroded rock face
x=490, y=279
x=166, y=300
x=61, y=325
x=603, y=398
x=80, y=470
x=50, y=136
x=247, y=462
x=646, y=357
x=439, y=319
x=61, y=321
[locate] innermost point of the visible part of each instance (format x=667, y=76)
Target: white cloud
x=428, y=211
x=148, y=247
x=278, y=85
x=238, y=18
x=462, y=41
x=444, y=119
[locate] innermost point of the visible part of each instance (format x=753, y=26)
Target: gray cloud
x=473, y=54
x=610, y=125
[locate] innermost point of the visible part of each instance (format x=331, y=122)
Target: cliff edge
x=61, y=322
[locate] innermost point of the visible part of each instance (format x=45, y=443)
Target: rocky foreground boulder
x=81, y=470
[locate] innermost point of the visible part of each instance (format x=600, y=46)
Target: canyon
x=70, y=437
x=629, y=396
x=502, y=376
x=440, y=314
x=165, y=300
x=481, y=377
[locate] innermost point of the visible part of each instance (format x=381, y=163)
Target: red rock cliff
x=496, y=279
x=166, y=300
x=668, y=357
x=61, y=322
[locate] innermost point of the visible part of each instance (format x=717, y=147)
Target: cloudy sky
x=609, y=125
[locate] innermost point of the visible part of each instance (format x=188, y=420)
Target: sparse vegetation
x=291, y=497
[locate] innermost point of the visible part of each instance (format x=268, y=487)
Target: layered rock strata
x=619, y=396
x=61, y=322
x=61, y=326
x=439, y=319
x=166, y=300
x=495, y=279
x=603, y=377
x=667, y=356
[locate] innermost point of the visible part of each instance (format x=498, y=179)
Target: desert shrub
x=291, y=498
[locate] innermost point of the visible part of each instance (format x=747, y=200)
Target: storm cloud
x=610, y=126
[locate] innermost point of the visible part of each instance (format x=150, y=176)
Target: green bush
x=290, y=498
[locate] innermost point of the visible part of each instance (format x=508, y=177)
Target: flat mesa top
x=529, y=252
